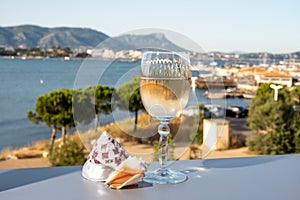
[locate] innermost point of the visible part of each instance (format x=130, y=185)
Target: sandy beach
x=147, y=155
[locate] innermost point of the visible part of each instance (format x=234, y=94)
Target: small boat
x=127, y=60
x=215, y=95
x=248, y=95
x=67, y=58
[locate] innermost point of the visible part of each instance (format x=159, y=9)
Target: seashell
x=129, y=179
x=130, y=172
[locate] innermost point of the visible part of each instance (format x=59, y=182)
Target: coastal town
x=239, y=74
x=232, y=77
x=150, y=100
x=243, y=81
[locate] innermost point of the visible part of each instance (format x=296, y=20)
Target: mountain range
x=27, y=36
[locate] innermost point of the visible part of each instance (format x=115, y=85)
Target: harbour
x=217, y=84
x=42, y=76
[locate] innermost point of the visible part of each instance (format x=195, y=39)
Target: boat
x=67, y=58
x=215, y=95
x=23, y=57
x=248, y=95
x=128, y=60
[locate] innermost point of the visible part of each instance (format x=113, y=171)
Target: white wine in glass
x=165, y=89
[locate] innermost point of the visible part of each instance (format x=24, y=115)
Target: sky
x=215, y=25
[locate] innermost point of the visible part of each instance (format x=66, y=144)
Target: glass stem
x=163, y=130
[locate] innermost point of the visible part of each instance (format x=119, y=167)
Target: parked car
x=236, y=111
x=215, y=110
x=206, y=113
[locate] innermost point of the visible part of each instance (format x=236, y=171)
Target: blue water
x=22, y=81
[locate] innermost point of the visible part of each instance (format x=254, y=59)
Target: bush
x=256, y=144
x=275, y=123
x=196, y=134
x=198, y=137
x=273, y=143
x=72, y=153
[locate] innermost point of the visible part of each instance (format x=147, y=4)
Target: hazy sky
x=215, y=25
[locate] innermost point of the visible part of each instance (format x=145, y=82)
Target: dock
x=225, y=94
x=202, y=83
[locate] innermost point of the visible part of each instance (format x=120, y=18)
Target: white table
x=265, y=177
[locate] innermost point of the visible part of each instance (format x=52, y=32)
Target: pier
x=202, y=83
x=225, y=94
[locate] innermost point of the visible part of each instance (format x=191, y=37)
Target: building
x=274, y=77
x=295, y=73
x=262, y=75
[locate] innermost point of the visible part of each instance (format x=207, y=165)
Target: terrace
x=264, y=177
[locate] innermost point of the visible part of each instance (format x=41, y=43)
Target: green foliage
x=275, y=123
x=72, y=153
x=198, y=138
x=264, y=90
x=129, y=98
x=84, y=111
x=198, y=128
x=100, y=96
x=295, y=95
x=272, y=143
x=55, y=110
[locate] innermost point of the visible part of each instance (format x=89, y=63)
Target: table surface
x=263, y=177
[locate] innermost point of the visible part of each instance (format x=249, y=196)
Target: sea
x=22, y=81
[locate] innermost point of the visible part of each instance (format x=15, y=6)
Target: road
x=238, y=126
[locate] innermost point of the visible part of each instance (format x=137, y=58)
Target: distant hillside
x=27, y=36
x=150, y=41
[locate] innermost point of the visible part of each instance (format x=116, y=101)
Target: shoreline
x=21, y=157
x=39, y=162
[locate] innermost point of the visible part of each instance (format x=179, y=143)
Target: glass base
x=164, y=176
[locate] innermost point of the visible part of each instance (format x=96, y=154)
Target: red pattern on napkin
x=107, y=151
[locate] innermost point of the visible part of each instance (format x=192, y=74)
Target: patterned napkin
x=106, y=155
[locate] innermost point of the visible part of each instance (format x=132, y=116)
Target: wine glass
x=165, y=89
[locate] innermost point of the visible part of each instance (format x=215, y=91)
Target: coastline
x=38, y=162
x=34, y=155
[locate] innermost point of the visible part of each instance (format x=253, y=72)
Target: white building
x=262, y=75
x=274, y=77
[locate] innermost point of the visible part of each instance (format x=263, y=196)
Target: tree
x=295, y=97
x=265, y=114
x=65, y=117
x=129, y=98
x=83, y=109
x=43, y=113
x=100, y=97
x=274, y=123
x=196, y=134
x=55, y=110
